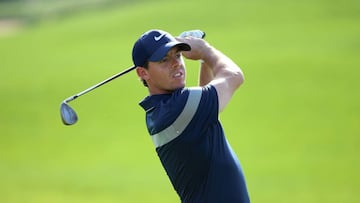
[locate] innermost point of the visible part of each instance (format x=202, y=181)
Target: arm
x=206, y=74
x=217, y=69
x=227, y=75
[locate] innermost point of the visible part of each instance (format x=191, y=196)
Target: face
x=166, y=75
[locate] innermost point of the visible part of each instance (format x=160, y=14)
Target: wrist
x=209, y=54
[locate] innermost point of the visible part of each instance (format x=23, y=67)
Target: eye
x=164, y=59
x=178, y=55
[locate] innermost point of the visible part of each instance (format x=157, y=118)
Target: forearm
x=206, y=74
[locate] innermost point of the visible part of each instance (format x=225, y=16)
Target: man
x=183, y=122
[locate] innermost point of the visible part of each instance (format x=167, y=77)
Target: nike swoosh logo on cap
x=157, y=38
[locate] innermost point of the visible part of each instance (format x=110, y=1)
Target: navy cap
x=153, y=46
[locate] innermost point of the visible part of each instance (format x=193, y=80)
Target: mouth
x=178, y=75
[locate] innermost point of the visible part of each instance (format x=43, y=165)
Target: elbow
x=239, y=78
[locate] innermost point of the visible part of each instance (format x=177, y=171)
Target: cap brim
x=162, y=51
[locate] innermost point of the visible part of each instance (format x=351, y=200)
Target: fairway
x=294, y=124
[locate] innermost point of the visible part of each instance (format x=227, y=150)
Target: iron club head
x=68, y=115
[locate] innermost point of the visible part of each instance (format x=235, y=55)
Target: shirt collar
x=151, y=101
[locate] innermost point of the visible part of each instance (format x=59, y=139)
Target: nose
x=175, y=62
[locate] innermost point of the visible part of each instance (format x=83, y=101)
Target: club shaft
x=99, y=84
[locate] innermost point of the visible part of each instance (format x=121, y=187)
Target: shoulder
x=208, y=90
x=194, y=96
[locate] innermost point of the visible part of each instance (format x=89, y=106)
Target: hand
x=199, y=48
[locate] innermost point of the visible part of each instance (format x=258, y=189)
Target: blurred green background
x=294, y=124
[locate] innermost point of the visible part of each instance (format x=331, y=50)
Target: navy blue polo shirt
x=192, y=147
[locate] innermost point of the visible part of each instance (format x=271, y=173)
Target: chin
x=179, y=86
x=182, y=84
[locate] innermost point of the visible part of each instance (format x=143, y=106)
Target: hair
x=146, y=66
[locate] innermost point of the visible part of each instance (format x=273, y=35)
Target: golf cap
x=153, y=46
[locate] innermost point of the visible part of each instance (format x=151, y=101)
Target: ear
x=142, y=73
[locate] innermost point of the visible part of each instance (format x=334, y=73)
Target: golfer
x=183, y=121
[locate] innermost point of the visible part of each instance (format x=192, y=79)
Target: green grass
x=295, y=123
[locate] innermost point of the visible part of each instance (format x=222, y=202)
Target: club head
x=68, y=115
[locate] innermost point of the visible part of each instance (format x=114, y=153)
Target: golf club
x=69, y=116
